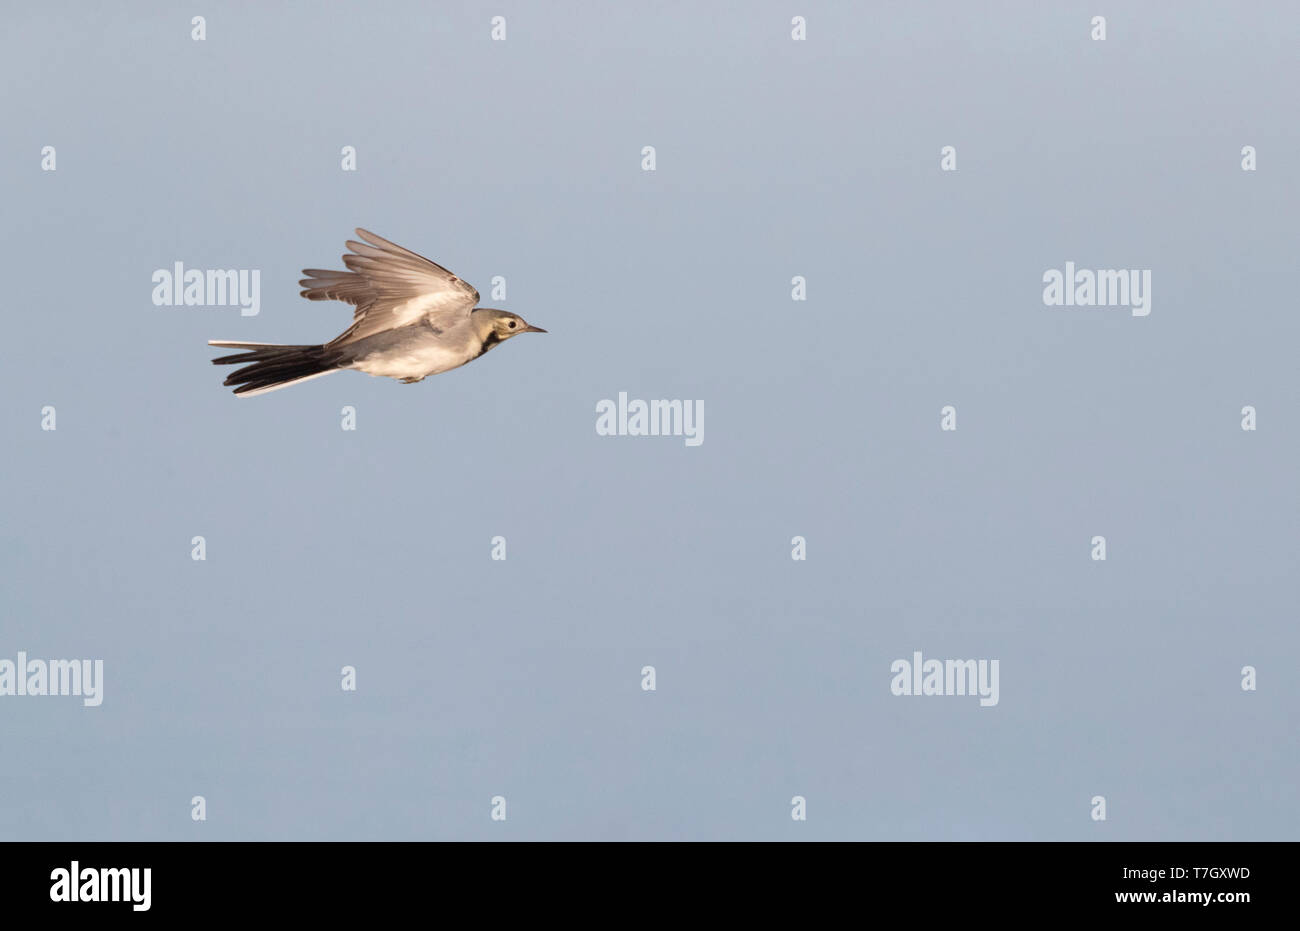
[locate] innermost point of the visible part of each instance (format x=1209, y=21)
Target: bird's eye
x=512, y=324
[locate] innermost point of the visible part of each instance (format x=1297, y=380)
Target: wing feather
x=390, y=287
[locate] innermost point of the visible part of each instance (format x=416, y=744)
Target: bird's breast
x=414, y=355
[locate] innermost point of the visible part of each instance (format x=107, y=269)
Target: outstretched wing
x=391, y=287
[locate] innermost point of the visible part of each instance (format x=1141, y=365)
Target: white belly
x=413, y=362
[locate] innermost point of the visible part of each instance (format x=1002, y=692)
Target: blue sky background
x=521, y=678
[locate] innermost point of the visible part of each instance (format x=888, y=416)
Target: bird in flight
x=413, y=319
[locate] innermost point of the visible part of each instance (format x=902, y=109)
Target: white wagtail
x=413, y=319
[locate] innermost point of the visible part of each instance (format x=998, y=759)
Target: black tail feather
x=268, y=366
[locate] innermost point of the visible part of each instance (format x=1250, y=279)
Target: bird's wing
x=391, y=287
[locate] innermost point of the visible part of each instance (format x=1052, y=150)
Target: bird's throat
x=492, y=338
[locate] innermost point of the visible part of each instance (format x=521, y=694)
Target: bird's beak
x=533, y=329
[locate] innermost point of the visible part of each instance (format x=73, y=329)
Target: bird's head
x=501, y=324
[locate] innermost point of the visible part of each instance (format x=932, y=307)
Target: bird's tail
x=268, y=366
